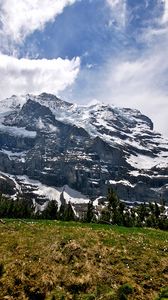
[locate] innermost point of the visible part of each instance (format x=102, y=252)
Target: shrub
x=163, y=294
x=1, y=269
x=125, y=290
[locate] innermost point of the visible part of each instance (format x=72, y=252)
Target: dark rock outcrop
x=86, y=148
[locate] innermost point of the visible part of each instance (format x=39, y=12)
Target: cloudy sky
x=115, y=51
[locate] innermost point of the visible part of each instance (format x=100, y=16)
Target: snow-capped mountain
x=87, y=148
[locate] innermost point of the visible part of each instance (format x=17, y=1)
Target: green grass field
x=65, y=260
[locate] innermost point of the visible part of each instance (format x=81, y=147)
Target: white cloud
x=165, y=14
x=20, y=76
x=138, y=83
x=161, y=24
x=135, y=78
x=142, y=82
x=118, y=12
x=20, y=18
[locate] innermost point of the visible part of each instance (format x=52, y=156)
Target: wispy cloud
x=20, y=76
x=136, y=77
x=165, y=15
x=118, y=12
x=19, y=18
x=158, y=26
x=139, y=83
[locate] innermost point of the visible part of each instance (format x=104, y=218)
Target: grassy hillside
x=55, y=260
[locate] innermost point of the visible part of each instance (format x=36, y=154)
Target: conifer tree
x=69, y=213
x=51, y=211
x=105, y=215
x=62, y=210
x=113, y=206
x=90, y=212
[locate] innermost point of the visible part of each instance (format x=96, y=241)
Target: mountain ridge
x=85, y=147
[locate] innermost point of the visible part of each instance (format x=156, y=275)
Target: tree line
x=142, y=215
x=114, y=212
x=24, y=209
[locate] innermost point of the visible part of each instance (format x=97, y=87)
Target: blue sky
x=82, y=30
x=114, y=51
x=89, y=27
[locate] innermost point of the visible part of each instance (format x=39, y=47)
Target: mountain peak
x=86, y=147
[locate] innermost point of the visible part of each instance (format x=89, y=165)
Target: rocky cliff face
x=87, y=148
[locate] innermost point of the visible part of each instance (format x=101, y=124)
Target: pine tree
x=143, y=214
x=90, y=212
x=129, y=218
x=112, y=198
x=114, y=207
x=51, y=211
x=61, y=213
x=69, y=213
x=105, y=215
x=157, y=211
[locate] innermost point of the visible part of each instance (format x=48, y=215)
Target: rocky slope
x=86, y=148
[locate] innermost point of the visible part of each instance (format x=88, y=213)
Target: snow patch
x=53, y=193
x=15, y=155
x=146, y=162
x=18, y=131
x=73, y=196
x=123, y=182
